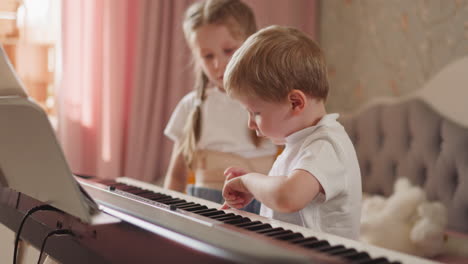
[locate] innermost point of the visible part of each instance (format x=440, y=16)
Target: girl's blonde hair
x=274, y=61
x=240, y=21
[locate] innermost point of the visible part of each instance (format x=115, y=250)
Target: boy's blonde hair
x=240, y=21
x=275, y=61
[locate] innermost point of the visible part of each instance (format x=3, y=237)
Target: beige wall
x=388, y=48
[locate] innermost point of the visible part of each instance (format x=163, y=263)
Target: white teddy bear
x=406, y=221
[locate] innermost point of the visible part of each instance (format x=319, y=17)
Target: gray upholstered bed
x=423, y=137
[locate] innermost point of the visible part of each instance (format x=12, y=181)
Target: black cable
x=53, y=233
x=44, y=207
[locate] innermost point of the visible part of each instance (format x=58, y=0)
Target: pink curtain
x=125, y=67
x=98, y=47
x=163, y=75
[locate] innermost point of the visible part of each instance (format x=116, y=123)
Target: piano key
x=237, y=221
x=201, y=211
x=381, y=260
x=357, y=256
x=289, y=236
x=248, y=224
x=138, y=191
x=189, y=205
x=163, y=199
x=342, y=251
x=228, y=218
x=315, y=244
x=271, y=230
x=306, y=239
x=279, y=232
x=209, y=214
x=258, y=227
x=195, y=208
x=216, y=217
x=176, y=202
x=155, y=196
x=332, y=248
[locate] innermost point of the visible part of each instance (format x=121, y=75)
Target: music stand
x=31, y=159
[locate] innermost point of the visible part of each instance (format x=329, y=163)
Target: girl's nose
x=251, y=123
x=221, y=62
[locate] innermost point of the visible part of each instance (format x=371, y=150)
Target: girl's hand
x=235, y=194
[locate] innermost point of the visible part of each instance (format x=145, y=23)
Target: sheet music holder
x=31, y=159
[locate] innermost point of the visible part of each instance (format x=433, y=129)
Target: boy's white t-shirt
x=325, y=151
x=224, y=125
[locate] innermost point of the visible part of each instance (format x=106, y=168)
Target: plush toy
x=406, y=221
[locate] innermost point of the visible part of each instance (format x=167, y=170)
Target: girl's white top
x=224, y=125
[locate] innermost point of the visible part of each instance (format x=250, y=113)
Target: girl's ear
x=296, y=100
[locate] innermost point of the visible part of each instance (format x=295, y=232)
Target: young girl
x=208, y=128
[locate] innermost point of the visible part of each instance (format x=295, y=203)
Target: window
x=29, y=32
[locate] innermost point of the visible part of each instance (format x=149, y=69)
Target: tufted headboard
x=416, y=137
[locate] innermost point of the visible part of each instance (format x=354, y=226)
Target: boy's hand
x=234, y=192
x=233, y=172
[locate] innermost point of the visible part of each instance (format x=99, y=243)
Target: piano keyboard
x=236, y=235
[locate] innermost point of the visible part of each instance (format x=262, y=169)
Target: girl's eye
x=208, y=56
x=229, y=51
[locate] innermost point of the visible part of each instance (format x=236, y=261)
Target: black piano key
x=356, y=256
x=199, y=207
x=303, y=240
x=279, y=232
x=237, y=221
x=201, y=211
x=248, y=224
x=380, y=260
x=270, y=230
x=217, y=212
x=288, y=236
x=258, y=227
x=163, y=199
x=136, y=191
x=217, y=217
x=188, y=205
x=143, y=192
x=149, y=194
x=315, y=244
x=337, y=247
x=156, y=196
x=175, y=202
x=341, y=252
x=227, y=218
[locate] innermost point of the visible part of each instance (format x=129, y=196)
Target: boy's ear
x=297, y=100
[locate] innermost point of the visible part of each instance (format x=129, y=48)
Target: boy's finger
x=231, y=176
x=228, y=171
x=224, y=206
